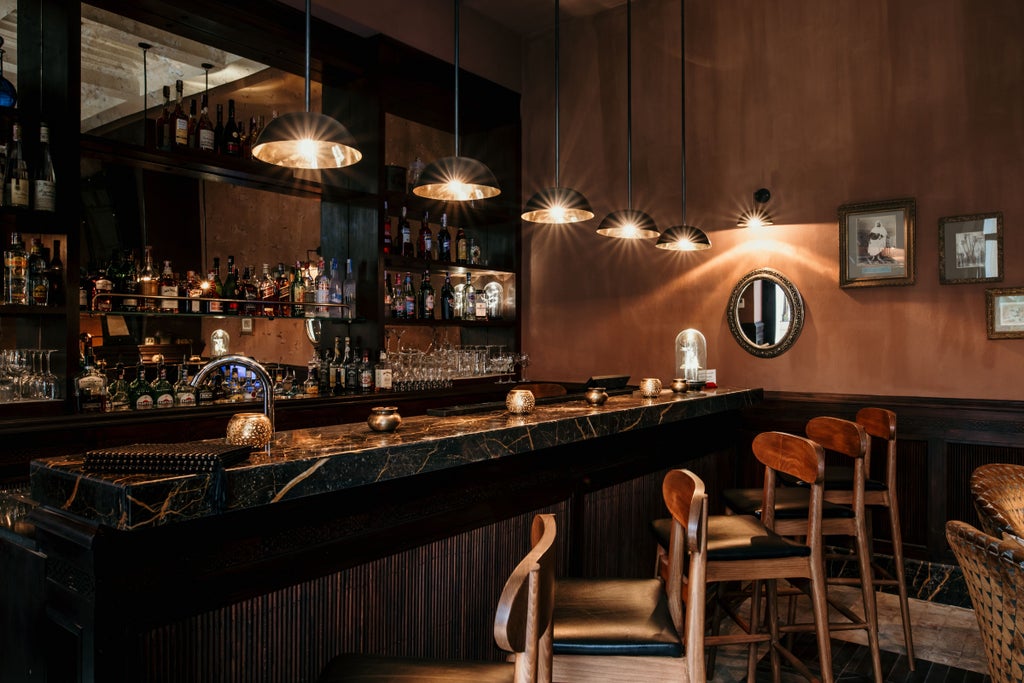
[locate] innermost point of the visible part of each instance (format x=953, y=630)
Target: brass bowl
x=384, y=419
x=520, y=401
x=650, y=387
x=596, y=396
x=678, y=385
x=249, y=429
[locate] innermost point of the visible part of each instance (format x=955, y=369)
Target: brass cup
x=520, y=401
x=249, y=429
x=384, y=419
x=678, y=385
x=596, y=396
x=650, y=387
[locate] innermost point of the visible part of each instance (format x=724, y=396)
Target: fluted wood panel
x=437, y=600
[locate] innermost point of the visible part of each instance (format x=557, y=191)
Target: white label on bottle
x=144, y=402
x=45, y=195
x=383, y=378
x=165, y=401
x=169, y=304
x=481, y=308
x=186, y=399
x=19, y=192
x=181, y=132
x=206, y=140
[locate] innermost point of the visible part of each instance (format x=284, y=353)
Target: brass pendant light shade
x=456, y=178
x=306, y=139
x=683, y=238
x=557, y=205
x=628, y=224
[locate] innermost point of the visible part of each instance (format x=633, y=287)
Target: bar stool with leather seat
x=522, y=626
x=849, y=439
x=611, y=629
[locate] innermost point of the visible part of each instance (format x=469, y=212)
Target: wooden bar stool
x=849, y=439
x=637, y=629
x=522, y=626
x=744, y=548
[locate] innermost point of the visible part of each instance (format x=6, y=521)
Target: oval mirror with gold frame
x=765, y=313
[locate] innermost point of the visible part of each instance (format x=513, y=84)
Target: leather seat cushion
x=737, y=537
x=839, y=478
x=790, y=503
x=625, y=617
x=357, y=668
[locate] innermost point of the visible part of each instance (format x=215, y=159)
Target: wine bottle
x=406, y=232
x=16, y=182
x=387, y=230
x=447, y=298
x=426, y=298
x=163, y=122
x=206, y=139
x=425, y=238
x=336, y=372
x=149, y=285
x=323, y=290
x=397, y=299
x=461, y=247
x=218, y=131
x=444, y=241
x=410, y=298
x=179, y=119
x=194, y=292
x=193, y=125
x=56, y=276
x=45, y=181
x=229, y=288
x=232, y=136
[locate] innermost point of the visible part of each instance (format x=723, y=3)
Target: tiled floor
x=946, y=643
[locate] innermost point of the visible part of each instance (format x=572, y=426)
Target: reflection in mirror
x=765, y=313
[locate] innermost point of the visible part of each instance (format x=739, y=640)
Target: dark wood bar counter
x=129, y=554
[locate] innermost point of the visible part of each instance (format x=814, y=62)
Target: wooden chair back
x=798, y=457
x=880, y=424
x=846, y=438
x=994, y=574
x=998, y=492
x=522, y=622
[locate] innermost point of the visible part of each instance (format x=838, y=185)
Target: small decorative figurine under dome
x=691, y=356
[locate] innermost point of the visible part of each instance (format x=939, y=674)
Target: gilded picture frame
x=971, y=248
x=1004, y=313
x=876, y=243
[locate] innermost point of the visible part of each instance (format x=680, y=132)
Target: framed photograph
x=876, y=243
x=1004, y=311
x=971, y=248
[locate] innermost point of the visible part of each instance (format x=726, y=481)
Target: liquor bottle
x=309, y=293
x=283, y=285
x=426, y=298
x=91, y=387
x=249, y=293
x=382, y=373
x=480, y=301
x=194, y=293
x=397, y=299
x=163, y=390
x=388, y=306
x=311, y=386
x=268, y=293
x=250, y=140
x=179, y=120
x=232, y=136
x=336, y=294
x=447, y=298
x=148, y=282
x=215, y=289
x=206, y=138
x=193, y=125
x=350, y=366
x=101, y=287
x=204, y=393
x=163, y=122
x=425, y=239
x=461, y=247
x=229, y=288
x=387, y=230
x=168, y=288
x=444, y=241
x=469, y=295
x=16, y=181
x=185, y=395
x=218, y=131
x=406, y=232
x=410, y=298
x=117, y=391
x=348, y=291
x=140, y=393
x=46, y=181
x=38, y=278
x=365, y=373
x=55, y=276
x=323, y=290
x=336, y=374
x=298, y=292
x=16, y=271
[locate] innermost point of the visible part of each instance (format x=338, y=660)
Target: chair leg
x=755, y=623
x=772, y=610
x=868, y=593
x=901, y=583
x=819, y=605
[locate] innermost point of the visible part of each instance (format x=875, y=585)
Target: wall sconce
x=758, y=216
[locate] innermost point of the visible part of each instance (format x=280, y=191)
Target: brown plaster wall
x=823, y=103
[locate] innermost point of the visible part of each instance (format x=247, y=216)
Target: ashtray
x=695, y=384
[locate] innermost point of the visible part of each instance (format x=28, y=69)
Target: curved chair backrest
x=840, y=436
x=799, y=458
x=881, y=424
x=994, y=573
x=998, y=492
x=527, y=602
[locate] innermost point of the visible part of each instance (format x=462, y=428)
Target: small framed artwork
x=1004, y=311
x=876, y=243
x=971, y=248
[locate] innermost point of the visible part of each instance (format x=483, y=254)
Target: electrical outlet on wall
x=711, y=376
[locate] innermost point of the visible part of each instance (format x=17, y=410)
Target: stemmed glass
x=523, y=360
x=8, y=380
x=50, y=381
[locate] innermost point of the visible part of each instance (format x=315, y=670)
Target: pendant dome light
x=629, y=223
x=557, y=205
x=306, y=139
x=683, y=237
x=456, y=178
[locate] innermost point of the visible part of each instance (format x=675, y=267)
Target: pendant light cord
x=557, y=90
x=682, y=95
x=629, y=104
x=456, y=4
x=308, y=12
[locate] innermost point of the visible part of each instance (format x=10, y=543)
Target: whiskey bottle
x=185, y=395
x=38, y=278
x=348, y=291
x=406, y=234
x=248, y=293
x=194, y=293
x=444, y=241
x=140, y=393
x=163, y=122
x=461, y=247
x=229, y=289
x=218, y=131
x=350, y=365
x=323, y=290
x=102, y=286
x=298, y=292
x=91, y=387
x=16, y=182
x=425, y=239
x=387, y=230
x=232, y=136
x=268, y=293
x=447, y=298
x=283, y=285
x=179, y=120
x=149, y=282
x=426, y=298
x=206, y=139
x=46, y=180
x=365, y=373
x=469, y=304
x=382, y=373
x=193, y=125
x=163, y=391
x=215, y=289
x=168, y=288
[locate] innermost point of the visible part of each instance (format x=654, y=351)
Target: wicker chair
x=994, y=573
x=998, y=491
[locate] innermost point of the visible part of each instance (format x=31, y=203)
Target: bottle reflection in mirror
x=26, y=375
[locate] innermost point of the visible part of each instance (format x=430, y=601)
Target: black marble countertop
x=308, y=462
